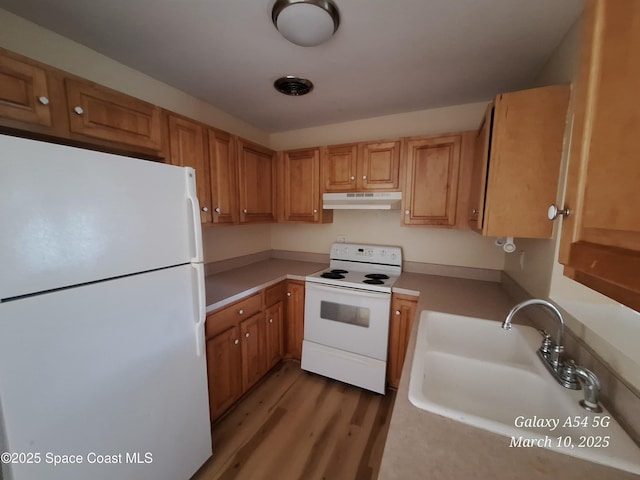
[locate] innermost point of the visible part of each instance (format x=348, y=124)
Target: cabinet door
x=339, y=169
x=187, y=149
x=479, y=172
x=257, y=183
x=253, y=357
x=524, y=161
x=295, y=318
x=600, y=243
x=24, y=94
x=99, y=112
x=223, y=370
x=379, y=166
x=301, y=186
x=403, y=311
x=432, y=181
x=224, y=178
x=274, y=346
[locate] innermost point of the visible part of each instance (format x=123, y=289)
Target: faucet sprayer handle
x=545, y=348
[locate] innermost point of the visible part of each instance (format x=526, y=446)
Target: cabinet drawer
x=275, y=293
x=234, y=313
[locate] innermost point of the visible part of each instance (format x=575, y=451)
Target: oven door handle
x=355, y=291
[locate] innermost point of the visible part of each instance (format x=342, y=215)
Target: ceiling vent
x=293, y=86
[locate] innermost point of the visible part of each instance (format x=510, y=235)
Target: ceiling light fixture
x=306, y=22
x=293, y=86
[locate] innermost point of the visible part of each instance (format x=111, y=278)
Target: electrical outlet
x=342, y=239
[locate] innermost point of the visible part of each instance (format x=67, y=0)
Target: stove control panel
x=380, y=254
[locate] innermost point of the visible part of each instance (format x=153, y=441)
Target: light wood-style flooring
x=297, y=425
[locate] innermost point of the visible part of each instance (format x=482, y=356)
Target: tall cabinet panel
x=257, y=185
x=187, y=149
x=224, y=178
x=600, y=244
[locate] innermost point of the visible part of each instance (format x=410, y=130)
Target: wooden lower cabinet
x=295, y=318
x=253, y=350
x=403, y=311
x=274, y=345
x=224, y=370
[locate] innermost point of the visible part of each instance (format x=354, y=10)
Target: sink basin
x=473, y=371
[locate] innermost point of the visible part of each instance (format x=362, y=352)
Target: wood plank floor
x=297, y=425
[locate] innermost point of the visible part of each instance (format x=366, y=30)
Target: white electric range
x=347, y=311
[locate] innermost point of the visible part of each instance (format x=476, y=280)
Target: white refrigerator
x=102, y=363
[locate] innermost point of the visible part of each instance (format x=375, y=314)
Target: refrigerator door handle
x=201, y=309
x=196, y=229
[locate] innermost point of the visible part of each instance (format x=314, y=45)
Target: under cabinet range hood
x=362, y=201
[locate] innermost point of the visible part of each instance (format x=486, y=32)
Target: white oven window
x=339, y=312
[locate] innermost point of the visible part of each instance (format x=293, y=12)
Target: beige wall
x=31, y=40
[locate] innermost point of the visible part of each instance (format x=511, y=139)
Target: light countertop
x=421, y=444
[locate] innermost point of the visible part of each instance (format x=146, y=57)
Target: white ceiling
x=386, y=57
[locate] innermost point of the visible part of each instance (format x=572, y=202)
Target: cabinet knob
x=217, y=210
x=406, y=212
x=554, y=212
x=475, y=211
x=244, y=210
x=43, y=100
x=364, y=177
x=398, y=312
x=353, y=178
x=315, y=210
x=78, y=110
x=236, y=341
x=241, y=312
x=205, y=209
x=246, y=335
x=288, y=294
x=271, y=320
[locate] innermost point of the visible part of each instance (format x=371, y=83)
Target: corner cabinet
x=371, y=166
x=299, y=187
x=257, y=176
x=432, y=175
x=600, y=242
x=517, y=163
x=403, y=311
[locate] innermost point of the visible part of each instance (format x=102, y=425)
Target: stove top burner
x=377, y=276
x=338, y=270
x=373, y=281
x=333, y=275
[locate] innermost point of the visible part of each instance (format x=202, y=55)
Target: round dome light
x=306, y=22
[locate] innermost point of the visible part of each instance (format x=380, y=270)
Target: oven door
x=348, y=319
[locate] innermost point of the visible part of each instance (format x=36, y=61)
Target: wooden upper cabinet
x=339, y=169
x=187, y=148
x=362, y=167
x=600, y=242
x=299, y=188
x=519, y=154
x=379, y=165
x=24, y=92
x=257, y=182
x=224, y=178
x=431, y=184
x=99, y=112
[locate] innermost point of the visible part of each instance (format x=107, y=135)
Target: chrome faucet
x=551, y=351
x=567, y=374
